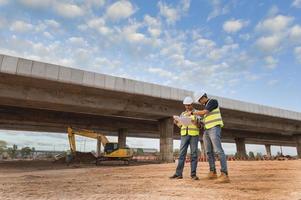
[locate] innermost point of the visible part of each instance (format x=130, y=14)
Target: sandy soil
x=249, y=180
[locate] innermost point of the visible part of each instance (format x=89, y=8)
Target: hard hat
x=188, y=100
x=199, y=95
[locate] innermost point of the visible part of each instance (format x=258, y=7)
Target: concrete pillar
x=241, y=147
x=298, y=145
x=98, y=150
x=166, y=128
x=122, y=137
x=268, y=150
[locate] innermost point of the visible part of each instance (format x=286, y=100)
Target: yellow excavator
x=111, y=149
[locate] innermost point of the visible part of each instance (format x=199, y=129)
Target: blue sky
x=245, y=50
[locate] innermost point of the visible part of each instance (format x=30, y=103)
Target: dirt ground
x=249, y=180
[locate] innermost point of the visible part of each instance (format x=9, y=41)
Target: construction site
x=249, y=180
x=37, y=96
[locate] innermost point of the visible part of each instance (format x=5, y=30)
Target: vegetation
x=13, y=152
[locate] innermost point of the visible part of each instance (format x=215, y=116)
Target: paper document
x=185, y=121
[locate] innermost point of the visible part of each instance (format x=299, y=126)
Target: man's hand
x=194, y=122
x=177, y=123
x=189, y=113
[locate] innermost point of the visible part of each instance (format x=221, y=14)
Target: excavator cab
x=110, y=147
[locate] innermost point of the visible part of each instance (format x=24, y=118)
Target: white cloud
x=251, y=77
x=168, y=12
x=273, y=11
x=3, y=2
x=63, y=8
x=268, y=43
x=173, y=13
x=271, y=62
x=21, y=26
x=99, y=24
x=52, y=23
x=202, y=46
x=94, y=3
x=104, y=62
x=295, y=33
x=120, y=10
x=36, y=3
x=162, y=73
x=132, y=35
x=2, y=22
x=245, y=36
x=232, y=26
x=68, y=10
x=272, y=82
x=275, y=24
x=185, y=4
x=77, y=41
x=218, y=53
x=154, y=26
x=48, y=35
x=297, y=52
x=218, y=9
x=296, y=3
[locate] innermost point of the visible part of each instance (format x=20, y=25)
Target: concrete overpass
x=39, y=96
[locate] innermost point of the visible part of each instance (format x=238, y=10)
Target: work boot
x=212, y=175
x=175, y=177
x=194, y=177
x=223, y=178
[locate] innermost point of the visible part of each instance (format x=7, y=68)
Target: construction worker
x=213, y=124
x=189, y=136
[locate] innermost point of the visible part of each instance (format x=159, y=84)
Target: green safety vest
x=192, y=130
x=213, y=118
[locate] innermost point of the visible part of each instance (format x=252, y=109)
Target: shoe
x=195, y=178
x=212, y=175
x=176, y=177
x=223, y=178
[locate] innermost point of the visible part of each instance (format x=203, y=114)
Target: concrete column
x=122, y=137
x=298, y=145
x=166, y=128
x=98, y=150
x=241, y=147
x=268, y=150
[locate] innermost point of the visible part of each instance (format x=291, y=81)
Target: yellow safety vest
x=192, y=130
x=213, y=118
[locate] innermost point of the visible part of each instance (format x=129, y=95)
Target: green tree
x=12, y=151
x=26, y=152
x=258, y=156
x=140, y=151
x=3, y=147
x=251, y=155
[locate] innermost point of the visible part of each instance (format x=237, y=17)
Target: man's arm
x=177, y=123
x=211, y=105
x=200, y=112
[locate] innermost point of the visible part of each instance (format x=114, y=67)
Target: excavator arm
x=86, y=133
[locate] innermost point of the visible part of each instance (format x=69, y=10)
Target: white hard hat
x=199, y=95
x=188, y=100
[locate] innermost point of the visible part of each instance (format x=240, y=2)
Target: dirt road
x=249, y=180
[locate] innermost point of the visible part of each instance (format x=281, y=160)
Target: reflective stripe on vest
x=192, y=130
x=214, y=118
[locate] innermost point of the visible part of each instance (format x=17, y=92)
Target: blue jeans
x=213, y=144
x=193, y=142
